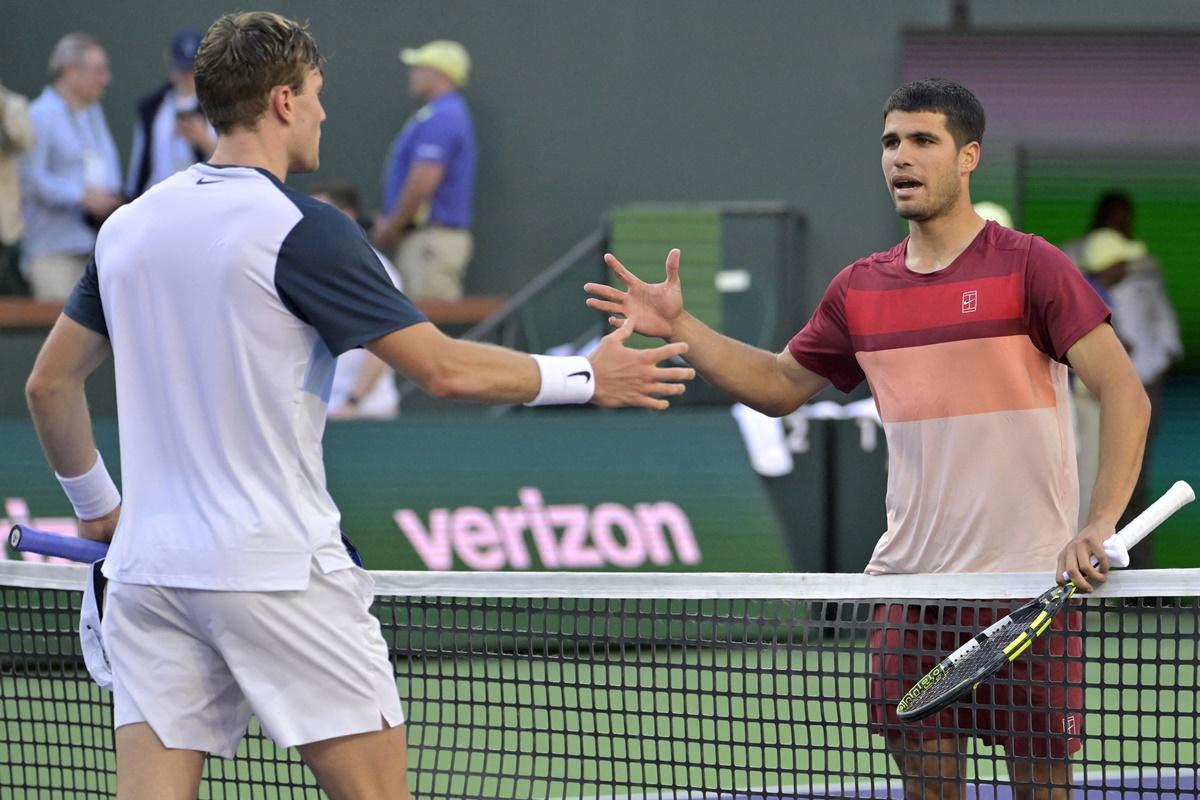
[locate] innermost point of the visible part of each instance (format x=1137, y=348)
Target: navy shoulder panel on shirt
x=83, y=304
x=328, y=275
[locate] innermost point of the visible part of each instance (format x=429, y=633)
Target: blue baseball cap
x=183, y=48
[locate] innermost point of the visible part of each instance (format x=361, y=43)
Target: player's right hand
x=101, y=529
x=655, y=306
x=628, y=377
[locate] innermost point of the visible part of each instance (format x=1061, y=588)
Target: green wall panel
x=573, y=490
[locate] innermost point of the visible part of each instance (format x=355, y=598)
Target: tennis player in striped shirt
x=964, y=331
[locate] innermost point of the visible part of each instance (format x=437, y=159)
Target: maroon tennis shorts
x=1031, y=708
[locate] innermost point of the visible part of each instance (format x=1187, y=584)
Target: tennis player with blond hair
x=224, y=298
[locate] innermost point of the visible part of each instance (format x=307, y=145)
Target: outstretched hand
x=655, y=306
x=629, y=377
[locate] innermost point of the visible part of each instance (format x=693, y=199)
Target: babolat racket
x=987, y=652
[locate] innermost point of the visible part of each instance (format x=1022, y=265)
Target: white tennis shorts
x=195, y=664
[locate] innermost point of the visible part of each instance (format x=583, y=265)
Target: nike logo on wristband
x=587, y=376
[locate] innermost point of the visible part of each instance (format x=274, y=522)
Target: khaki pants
x=53, y=277
x=432, y=262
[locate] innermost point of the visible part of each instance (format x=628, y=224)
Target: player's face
x=921, y=164
x=304, y=153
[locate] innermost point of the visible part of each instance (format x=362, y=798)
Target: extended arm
x=775, y=384
x=1102, y=364
x=452, y=368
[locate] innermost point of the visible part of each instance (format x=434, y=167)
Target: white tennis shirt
x=226, y=297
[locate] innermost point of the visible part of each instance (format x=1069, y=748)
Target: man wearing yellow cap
x=429, y=178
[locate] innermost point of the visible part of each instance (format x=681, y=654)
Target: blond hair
x=243, y=57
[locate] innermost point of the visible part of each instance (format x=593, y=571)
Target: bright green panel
x=641, y=236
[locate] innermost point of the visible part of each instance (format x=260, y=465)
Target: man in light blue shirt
x=71, y=176
x=429, y=179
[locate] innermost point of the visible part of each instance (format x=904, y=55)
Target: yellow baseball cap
x=443, y=55
x=994, y=212
x=1105, y=247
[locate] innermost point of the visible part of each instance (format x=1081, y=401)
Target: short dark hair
x=245, y=55
x=964, y=112
x=343, y=195
x=1109, y=204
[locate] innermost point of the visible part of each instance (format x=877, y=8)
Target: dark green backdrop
x=583, y=105
x=590, y=461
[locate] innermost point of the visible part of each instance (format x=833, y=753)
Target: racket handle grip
x=1178, y=496
x=1175, y=498
x=25, y=539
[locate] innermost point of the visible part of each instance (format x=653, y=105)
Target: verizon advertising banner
x=546, y=490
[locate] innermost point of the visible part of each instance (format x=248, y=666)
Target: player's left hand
x=1076, y=558
x=628, y=377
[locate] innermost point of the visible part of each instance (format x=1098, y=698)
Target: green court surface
x=516, y=726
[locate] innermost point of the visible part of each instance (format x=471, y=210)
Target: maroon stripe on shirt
x=957, y=302
x=982, y=329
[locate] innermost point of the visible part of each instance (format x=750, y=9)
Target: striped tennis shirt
x=968, y=369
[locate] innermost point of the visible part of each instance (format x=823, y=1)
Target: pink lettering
x=606, y=519
x=512, y=524
x=570, y=536
x=432, y=546
x=574, y=550
x=654, y=518
x=476, y=540
x=543, y=535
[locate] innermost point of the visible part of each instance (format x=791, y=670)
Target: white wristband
x=93, y=494
x=565, y=379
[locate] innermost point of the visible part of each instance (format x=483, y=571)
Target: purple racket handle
x=30, y=540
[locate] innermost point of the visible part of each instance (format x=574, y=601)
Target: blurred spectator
x=71, y=176
x=16, y=136
x=364, y=387
x=429, y=178
x=170, y=133
x=1144, y=320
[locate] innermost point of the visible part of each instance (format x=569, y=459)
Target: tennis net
x=715, y=686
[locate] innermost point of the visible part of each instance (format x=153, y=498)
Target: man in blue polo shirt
x=429, y=178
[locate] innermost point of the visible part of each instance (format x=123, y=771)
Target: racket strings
x=960, y=674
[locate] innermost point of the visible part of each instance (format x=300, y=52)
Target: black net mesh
x=512, y=697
